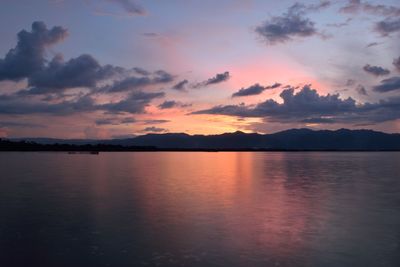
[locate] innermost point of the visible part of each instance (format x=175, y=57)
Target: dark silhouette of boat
x=84, y=152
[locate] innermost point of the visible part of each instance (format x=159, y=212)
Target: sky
x=121, y=68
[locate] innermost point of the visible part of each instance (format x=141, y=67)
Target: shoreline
x=204, y=150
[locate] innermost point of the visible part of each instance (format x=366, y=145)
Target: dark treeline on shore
x=6, y=145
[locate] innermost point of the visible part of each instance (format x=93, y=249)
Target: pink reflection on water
x=238, y=201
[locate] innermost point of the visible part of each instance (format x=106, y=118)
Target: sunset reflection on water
x=205, y=209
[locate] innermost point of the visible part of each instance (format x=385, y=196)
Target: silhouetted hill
x=343, y=139
x=294, y=139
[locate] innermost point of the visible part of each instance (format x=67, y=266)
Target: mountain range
x=294, y=139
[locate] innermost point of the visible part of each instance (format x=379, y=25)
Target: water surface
x=200, y=209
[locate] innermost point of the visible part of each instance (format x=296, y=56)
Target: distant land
x=289, y=140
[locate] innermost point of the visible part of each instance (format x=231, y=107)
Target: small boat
x=84, y=152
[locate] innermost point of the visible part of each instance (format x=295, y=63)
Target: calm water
x=200, y=209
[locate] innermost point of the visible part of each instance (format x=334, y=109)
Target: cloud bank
x=52, y=84
x=307, y=104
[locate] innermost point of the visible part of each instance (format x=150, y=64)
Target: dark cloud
x=128, y=120
x=155, y=121
x=107, y=121
x=83, y=71
x=172, y=104
x=218, y=78
x=181, y=86
x=307, y=106
x=16, y=104
x=136, y=102
x=303, y=8
x=141, y=71
x=162, y=76
x=168, y=104
x=133, y=82
x=284, y=28
x=230, y=110
x=127, y=84
x=388, y=85
x=361, y=90
x=396, y=63
x=130, y=6
x=388, y=26
x=13, y=124
x=319, y=120
x=154, y=129
x=28, y=56
x=115, y=121
x=354, y=6
x=376, y=70
x=118, y=9
x=373, y=44
x=255, y=89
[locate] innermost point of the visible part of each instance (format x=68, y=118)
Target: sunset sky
x=118, y=68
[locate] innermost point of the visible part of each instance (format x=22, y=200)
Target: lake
x=231, y=209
